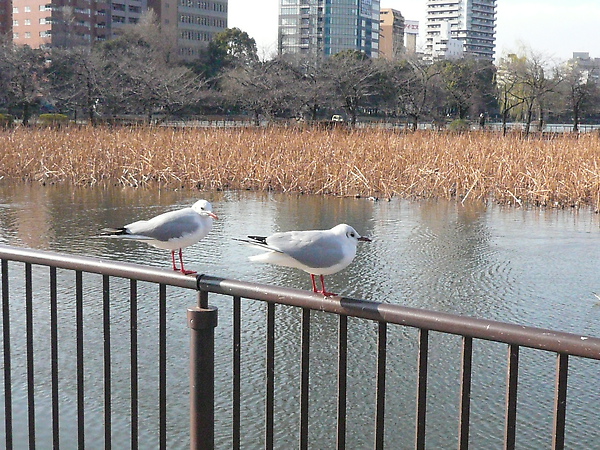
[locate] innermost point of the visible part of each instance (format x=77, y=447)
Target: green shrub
x=459, y=125
x=6, y=121
x=54, y=119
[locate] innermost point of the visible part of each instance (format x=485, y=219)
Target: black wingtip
x=113, y=231
x=261, y=239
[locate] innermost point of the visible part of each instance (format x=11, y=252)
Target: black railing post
x=202, y=322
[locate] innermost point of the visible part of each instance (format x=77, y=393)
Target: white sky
x=554, y=28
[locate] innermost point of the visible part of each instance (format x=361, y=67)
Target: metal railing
x=202, y=321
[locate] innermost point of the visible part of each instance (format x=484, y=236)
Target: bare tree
x=535, y=78
x=354, y=78
x=581, y=90
x=410, y=86
x=143, y=74
x=23, y=78
x=264, y=88
x=509, y=86
x=311, y=87
x=468, y=85
x=76, y=80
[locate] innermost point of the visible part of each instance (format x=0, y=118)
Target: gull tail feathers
x=122, y=233
x=113, y=231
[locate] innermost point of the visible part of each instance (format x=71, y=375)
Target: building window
x=27, y=22
x=27, y=9
x=27, y=35
x=15, y=23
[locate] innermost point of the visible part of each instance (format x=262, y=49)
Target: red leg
x=324, y=292
x=173, y=259
x=183, y=271
x=312, y=278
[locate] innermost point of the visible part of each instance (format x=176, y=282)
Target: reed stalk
x=559, y=171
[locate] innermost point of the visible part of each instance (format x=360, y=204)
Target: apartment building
x=39, y=23
x=195, y=22
x=65, y=23
x=327, y=27
x=471, y=22
x=391, y=36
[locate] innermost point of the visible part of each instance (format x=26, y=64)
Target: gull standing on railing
x=174, y=230
x=318, y=252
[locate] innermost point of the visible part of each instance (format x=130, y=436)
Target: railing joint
x=199, y=281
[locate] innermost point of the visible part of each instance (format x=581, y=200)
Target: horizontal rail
x=100, y=266
x=537, y=338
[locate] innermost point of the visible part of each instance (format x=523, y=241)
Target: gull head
x=350, y=233
x=204, y=208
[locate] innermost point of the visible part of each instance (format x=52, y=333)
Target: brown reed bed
x=560, y=171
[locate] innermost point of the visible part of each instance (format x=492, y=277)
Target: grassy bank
x=558, y=172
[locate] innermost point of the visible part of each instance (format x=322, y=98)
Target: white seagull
x=172, y=230
x=318, y=252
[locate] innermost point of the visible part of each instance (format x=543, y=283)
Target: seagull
x=172, y=230
x=318, y=252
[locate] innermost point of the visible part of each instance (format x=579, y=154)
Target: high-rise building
x=589, y=65
x=195, y=21
x=36, y=23
x=391, y=37
x=411, y=31
x=59, y=22
x=472, y=22
x=327, y=27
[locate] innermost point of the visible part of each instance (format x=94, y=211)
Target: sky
x=552, y=28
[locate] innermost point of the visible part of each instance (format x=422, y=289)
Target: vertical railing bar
x=342, y=381
x=270, y=377
x=29, y=352
x=203, y=299
x=380, y=389
x=8, y=439
x=422, y=388
x=512, y=382
x=465, y=392
x=237, y=392
x=202, y=323
x=162, y=365
x=107, y=365
x=304, y=378
x=80, y=360
x=54, y=358
x=133, y=325
x=560, y=401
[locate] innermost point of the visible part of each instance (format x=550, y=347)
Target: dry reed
x=561, y=171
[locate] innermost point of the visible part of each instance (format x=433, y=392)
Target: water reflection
x=532, y=267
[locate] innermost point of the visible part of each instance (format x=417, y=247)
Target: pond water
x=527, y=266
